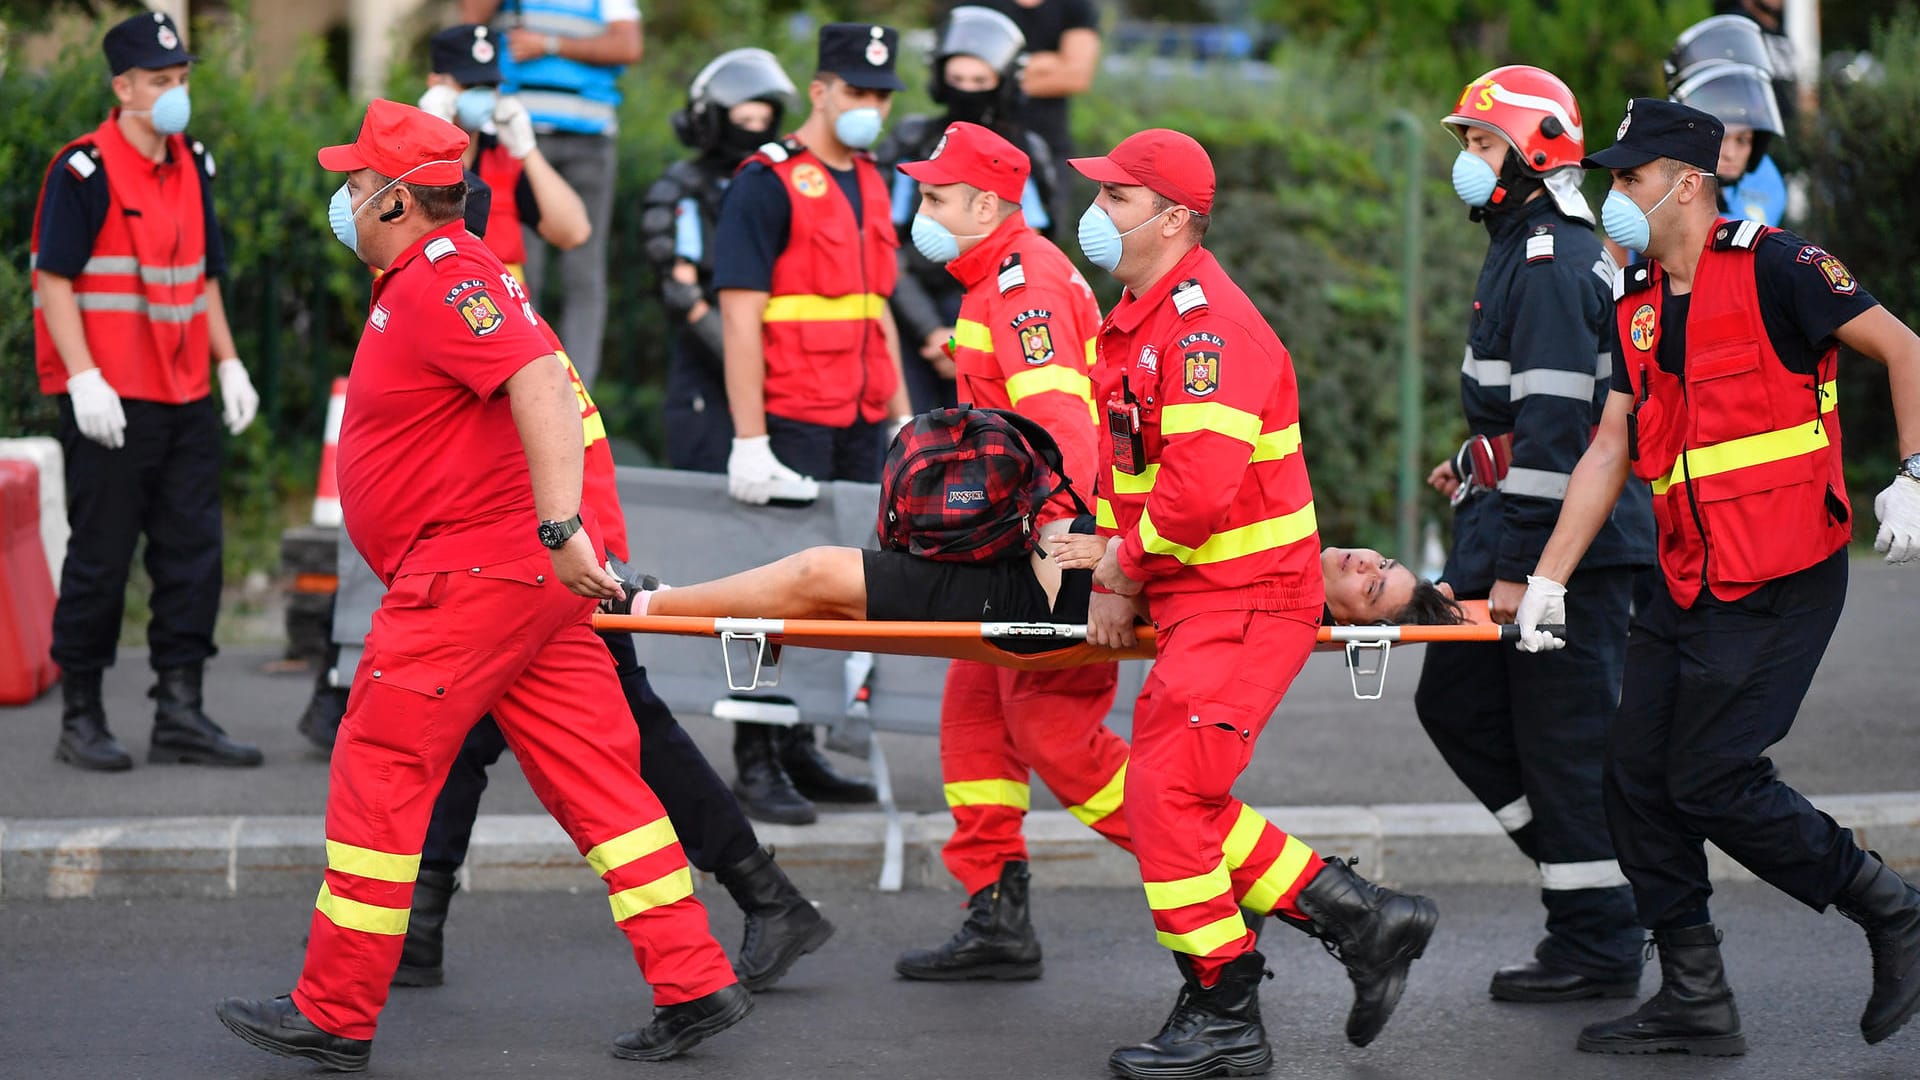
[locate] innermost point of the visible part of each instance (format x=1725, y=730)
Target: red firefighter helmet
x=1531, y=108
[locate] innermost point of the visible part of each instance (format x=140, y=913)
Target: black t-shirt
x=75, y=208
x=1805, y=295
x=755, y=218
x=1044, y=25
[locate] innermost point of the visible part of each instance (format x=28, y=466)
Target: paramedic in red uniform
x=1023, y=341
x=1204, y=495
x=460, y=478
x=1724, y=400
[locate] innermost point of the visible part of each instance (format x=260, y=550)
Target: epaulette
x=781, y=149
x=1540, y=245
x=1633, y=279
x=1012, y=274
x=438, y=248
x=206, y=157
x=1189, y=297
x=84, y=161
x=1738, y=234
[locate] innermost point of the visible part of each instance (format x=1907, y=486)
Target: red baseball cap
x=399, y=140
x=1164, y=162
x=970, y=154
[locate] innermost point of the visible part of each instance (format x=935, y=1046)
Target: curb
x=206, y=857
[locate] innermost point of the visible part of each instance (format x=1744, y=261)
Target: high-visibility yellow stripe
x=1246, y=832
x=1208, y=938
x=1234, y=543
x=989, y=793
x=1750, y=450
x=1271, y=446
x=1105, y=801
x=1198, y=889
x=1093, y=353
x=593, y=427
x=803, y=308
x=1267, y=890
x=968, y=334
x=1210, y=416
x=656, y=893
x=366, y=918
x=1049, y=377
x=629, y=846
x=368, y=863
x=1103, y=514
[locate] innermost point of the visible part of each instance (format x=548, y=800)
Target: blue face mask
x=474, y=106
x=1628, y=225
x=857, y=128
x=937, y=242
x=1473, y=179
x=170, y=112
x=1100, y=238
x=341, y=212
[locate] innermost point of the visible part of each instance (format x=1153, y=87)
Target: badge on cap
x=939, y=146
x=165, y=36
x=1625, y=121
x=483, y=52
x=877, y=49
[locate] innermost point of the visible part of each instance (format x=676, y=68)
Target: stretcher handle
x=795, y=631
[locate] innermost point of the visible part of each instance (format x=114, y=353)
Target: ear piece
x=399, y=208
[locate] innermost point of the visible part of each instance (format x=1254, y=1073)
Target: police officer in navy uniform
x=1726, y=340
x=734, y=105
x=977, y=59
x=1526, y=737
x=129, y=324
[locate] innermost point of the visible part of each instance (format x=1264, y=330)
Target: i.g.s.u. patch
x=1036, y=341
x=481, y=313
x=1839, y=278
x=454, y=294
x=1202, y=370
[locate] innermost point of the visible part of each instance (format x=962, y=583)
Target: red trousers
x=997, y=726
x=445, y=649
x=1204, y=854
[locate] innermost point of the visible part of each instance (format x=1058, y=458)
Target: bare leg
x=818, y=583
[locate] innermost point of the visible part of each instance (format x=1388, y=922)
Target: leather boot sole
x=692, y=1036
x=1014, y=972
x=816, y=937
x=1703, y=1045
x=418, y=976
x=1420, y=931
x=1249, y=1063
x=331, y=1059
x=180, y=755
x=1520, y=994
x=71, y=757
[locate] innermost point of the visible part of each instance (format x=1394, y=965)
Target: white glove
x=238, y=396
x=515, y=127
x=1545, y=604
x=96, y=409
x=440, y=101
x=755, y=476
x=1898, y=508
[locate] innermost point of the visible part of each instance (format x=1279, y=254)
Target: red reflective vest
x=502, y=171
x=827, y=360
x=1743, y=455
x=143, y=292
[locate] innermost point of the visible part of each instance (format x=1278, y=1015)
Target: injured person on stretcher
x=1051, y=584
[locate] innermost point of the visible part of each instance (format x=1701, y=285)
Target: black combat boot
x=1376, y=932
x=1888, y=909
x=1691, y=1013
x=420, y=956
x=675, y=1029
x=277, y=1026
x=1212, y=1031
x=996, y=941
x=813, y=775
x=765, y=791
x=320, y=722
x=782, y=926
x=1534, y=981
x=182, y=734
x=85, y=741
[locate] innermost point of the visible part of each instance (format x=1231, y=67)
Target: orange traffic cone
x=326, y=496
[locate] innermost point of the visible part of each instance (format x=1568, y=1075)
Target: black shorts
x=903, y=587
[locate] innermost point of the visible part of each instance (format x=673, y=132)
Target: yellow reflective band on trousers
x=366, y=918
x=806, y=308
x=1051, y=377
x=1750, y=450
x=1209, y=416
x=368, y=863
x=1208, y=938
x=1011, y=793
x=1105, y=801
x=1168, y=895
x=1240, y=841
x=659, y=892
x=1234, y=543
x=1271, y=446
x=629, y=846
x=1286, y=869
x=1103, y=514
x=968, y=334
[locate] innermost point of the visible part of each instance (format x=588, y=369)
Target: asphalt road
x=538, y=984
x=1858, y=732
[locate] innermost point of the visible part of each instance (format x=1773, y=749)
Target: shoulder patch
x=81, y=163
x=482, y=315
x=462, y=289
x=1189, y=297
x=1839, y=279
x=438, y=248
x=1036, y=338
x=1028, y=316
x=1738, y=234
x=1012, y=274
x=1808, y=253
x=1540, y=245
x=1202, y=338
x=1202, y=371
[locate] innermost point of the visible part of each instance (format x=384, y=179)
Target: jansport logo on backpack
x=966, y=485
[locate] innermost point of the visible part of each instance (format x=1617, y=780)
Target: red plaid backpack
x=967, y=485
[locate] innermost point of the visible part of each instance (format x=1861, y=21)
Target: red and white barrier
x=326, y=496
x=26, y=589
x=45, y=454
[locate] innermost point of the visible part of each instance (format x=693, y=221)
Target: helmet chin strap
x=1516, y=186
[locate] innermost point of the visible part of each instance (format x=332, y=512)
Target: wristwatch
x=1910, y=468
x=553, y=45
x=555, y=534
